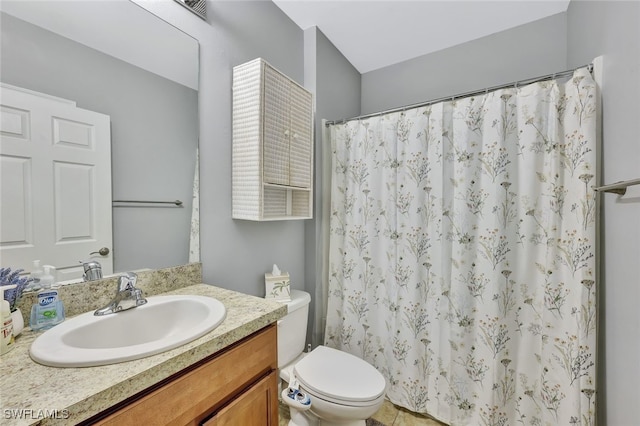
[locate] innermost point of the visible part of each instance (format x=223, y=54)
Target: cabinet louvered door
x=300, y=142
x=275, y=147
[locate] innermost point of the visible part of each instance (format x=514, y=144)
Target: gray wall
x=612, y=29
x=235, y=253
x=336, y=84
x=530, y=50
x=154, y=134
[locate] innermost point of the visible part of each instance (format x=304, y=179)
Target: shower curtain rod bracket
x=619, y=188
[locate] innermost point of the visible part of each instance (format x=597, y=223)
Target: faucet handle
x=92, y=270
x=140, y=300
x=127, y=281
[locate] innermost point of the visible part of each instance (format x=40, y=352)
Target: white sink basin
x=163, y=323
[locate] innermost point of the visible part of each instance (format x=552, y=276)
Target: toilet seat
x=339, y=377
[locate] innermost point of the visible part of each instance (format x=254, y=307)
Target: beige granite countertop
x=50, y=395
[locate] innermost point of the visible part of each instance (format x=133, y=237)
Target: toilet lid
x=340, y=376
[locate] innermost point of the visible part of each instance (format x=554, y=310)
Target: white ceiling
x=373, y=34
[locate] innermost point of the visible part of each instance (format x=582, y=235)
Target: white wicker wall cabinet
x=272, y=171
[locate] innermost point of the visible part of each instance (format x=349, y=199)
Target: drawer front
x=192, y=396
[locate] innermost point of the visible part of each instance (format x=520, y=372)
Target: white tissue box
x=277, y=287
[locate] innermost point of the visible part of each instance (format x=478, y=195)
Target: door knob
x=102, y=252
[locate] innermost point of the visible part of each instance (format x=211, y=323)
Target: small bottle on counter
x=6, y=333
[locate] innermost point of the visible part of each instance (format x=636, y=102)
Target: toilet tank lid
x=299, y=299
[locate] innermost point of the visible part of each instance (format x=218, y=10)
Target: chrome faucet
x=127, y=296
x=92, y=270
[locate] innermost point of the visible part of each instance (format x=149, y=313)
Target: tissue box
x=277, y=287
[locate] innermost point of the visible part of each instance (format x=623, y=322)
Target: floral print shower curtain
x=462, y=253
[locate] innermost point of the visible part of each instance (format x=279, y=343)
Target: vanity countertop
x=35, y=394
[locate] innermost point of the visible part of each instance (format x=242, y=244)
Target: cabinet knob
x=286, y=133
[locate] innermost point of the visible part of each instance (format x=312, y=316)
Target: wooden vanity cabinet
x=237, y=386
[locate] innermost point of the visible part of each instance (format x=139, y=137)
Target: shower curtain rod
x=619, y=188
x=465, y=95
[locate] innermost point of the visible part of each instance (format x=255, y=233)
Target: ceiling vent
x=199, y=7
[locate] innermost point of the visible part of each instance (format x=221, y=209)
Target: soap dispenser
x=49, y=310
x=36, y=274
x=6, y=334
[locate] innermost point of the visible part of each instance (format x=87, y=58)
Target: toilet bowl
x=344, y=389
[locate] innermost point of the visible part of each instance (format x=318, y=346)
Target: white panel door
x=55, y=188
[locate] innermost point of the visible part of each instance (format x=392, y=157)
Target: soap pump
x=36, y=274
x=6, y=335
x=49, y=310
x=48, y=279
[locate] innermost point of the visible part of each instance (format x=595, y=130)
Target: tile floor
x=389, y=415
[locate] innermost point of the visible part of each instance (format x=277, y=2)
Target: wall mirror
x=118, y=59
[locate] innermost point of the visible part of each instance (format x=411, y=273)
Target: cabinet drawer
x=193, y=395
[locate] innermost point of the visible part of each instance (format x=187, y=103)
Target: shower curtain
x=194, y=230
x=462, y=253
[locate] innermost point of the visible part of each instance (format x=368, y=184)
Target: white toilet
x=344, y=389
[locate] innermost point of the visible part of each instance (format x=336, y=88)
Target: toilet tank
x=292, y=329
